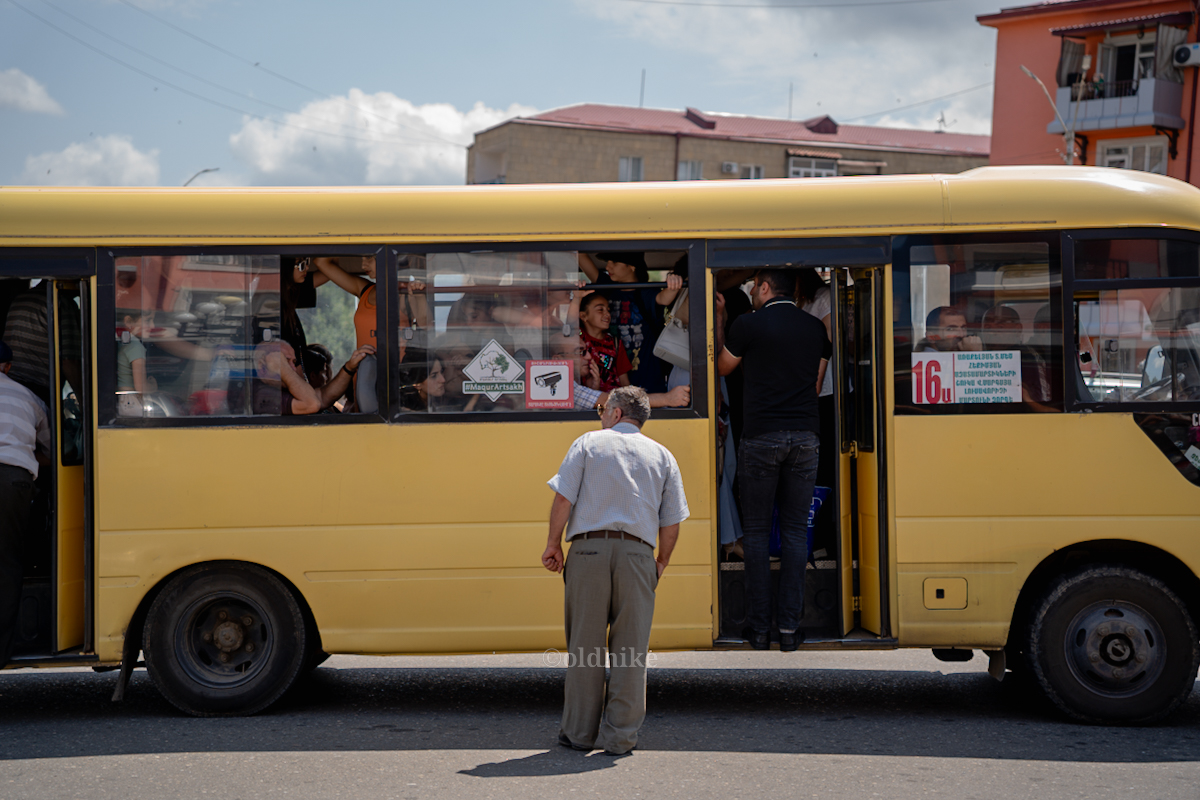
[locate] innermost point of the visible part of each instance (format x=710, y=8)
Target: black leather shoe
x=759, y=640
x=788, y=642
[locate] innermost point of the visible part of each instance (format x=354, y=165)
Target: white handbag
x=672, y=345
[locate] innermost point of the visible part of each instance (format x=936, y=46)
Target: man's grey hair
x=633, y=402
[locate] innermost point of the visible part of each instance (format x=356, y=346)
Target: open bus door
x=55, y=620
x=858, y=323
x=70, y=551
x=856, y=574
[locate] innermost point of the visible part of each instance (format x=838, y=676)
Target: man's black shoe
x=788, y=642
x=566, y=742
x=759, y=640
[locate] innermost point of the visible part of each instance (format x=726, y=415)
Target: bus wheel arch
x=226, y=638
x=1113, y=644
x=1145, y=558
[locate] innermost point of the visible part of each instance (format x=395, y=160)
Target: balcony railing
x=1120, y=104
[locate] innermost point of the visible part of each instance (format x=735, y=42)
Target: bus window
x=976, y=325
x=187, y=329
x=1139, y=345
x=1109, y=259
x=501, y=331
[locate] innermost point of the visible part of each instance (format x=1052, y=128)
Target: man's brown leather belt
x=610, y=535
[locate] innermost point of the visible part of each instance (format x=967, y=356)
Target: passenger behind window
x=282, y=388
x=946, y=331
x=423, y=385
x=132, y=382
x=366, y=315
x=1001, y=329
x=605, y=350
x=637, y=317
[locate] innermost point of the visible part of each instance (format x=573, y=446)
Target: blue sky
x=390, y=93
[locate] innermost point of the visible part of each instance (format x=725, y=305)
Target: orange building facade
x=1113, y=69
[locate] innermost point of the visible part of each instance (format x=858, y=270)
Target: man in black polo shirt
x=783, y=352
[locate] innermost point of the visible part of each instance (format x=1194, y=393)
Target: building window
x=750, y=171
x=799, y=167
x=630, y=169
x=1148, y=154
x=690, y=171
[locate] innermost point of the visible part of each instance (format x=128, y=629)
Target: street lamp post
x=1068, y=130
x=218, y=169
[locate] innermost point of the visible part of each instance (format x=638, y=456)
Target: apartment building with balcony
x=595, y=143
x=1109, y=66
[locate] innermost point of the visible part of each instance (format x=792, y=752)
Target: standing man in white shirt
x=618, y=493
x=24, y=445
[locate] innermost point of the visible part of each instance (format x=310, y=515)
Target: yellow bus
x=1014, y=447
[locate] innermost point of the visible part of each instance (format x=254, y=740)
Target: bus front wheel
x=224, y=639
x=1112, y=644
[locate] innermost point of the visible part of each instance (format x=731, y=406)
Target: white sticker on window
x=988, y=376
x=493, y=372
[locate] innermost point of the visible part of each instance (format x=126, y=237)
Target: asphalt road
x=721, y=725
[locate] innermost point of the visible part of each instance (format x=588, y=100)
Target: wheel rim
x=223, y=640
x=1115, y=649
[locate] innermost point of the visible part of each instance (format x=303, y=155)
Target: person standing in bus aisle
x=618, y=493
x=24, y=445
x=783, y=353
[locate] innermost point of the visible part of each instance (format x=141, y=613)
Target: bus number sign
x=966, y=377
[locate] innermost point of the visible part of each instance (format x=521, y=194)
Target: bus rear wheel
x=1113, y=645
x=224, y=639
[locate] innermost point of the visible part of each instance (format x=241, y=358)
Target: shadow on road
x=850, y=712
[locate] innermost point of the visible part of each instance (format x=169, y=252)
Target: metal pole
x=1068, y=135
x=642, y=96
x=790, y=87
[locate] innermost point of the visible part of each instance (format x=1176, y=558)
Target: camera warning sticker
x=549, y=383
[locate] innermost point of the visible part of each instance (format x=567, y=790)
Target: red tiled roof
x=1165, y=18
x=1050, y=7
x=670, y=122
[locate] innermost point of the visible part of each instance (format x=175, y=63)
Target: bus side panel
x=402, y=538
x=983, y=500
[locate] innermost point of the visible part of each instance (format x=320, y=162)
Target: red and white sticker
x=549, y=383
x=988, y=376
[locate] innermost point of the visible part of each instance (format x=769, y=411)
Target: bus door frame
x=862, y=460
x=844, y=256
x=71, y=628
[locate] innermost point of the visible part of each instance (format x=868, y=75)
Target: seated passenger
x=569, y=348
x=946, y=331
x=424, y=384
x=604, y=349
x=281, y=387
x=1002, y=329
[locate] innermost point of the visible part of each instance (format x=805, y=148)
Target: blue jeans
x=781, y=468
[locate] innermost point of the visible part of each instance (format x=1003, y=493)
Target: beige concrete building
x=591, y=143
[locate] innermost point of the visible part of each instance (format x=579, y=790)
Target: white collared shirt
x=621, y=480
x=24, y=426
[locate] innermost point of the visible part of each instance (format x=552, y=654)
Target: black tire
x=224, y=639
x=1113, y=645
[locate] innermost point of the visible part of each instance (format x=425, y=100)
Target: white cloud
x=19, y=91
x=104, y=161
x=365, y=139
x=845, y=62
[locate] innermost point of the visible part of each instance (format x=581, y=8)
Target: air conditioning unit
x=729, y=168
x=1187, y=55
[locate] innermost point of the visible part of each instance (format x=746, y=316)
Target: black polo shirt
x=781, y=348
